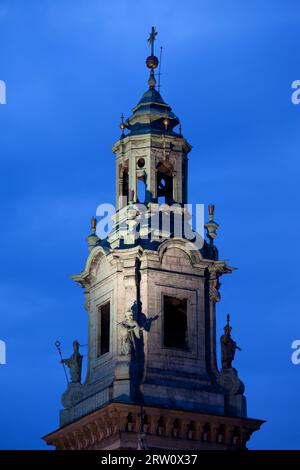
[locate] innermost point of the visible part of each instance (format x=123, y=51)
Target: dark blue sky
x=71, y=67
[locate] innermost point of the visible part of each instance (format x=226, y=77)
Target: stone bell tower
x=151, y=292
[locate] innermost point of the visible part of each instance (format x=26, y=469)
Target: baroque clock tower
x=151, y=288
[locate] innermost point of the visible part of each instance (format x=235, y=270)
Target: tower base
x=117, y=426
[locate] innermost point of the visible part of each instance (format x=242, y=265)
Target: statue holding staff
x=74, y=363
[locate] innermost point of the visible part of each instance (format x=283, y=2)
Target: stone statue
x=74, y=363
x=129, y=331
x=228, y=346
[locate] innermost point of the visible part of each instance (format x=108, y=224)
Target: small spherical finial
x=166, y=122
x=122, y=124
x=152, y=62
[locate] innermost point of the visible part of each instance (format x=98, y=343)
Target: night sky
x=71, y=68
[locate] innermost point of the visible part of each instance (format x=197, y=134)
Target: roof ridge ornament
x=152, y=60
x=228, y=327
x=93, y=238
x=211, y=226
x=122, y=126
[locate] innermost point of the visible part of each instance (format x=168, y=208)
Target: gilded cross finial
x=152, y=60
x=151, y=39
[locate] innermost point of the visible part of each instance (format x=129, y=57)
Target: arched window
x=164, y=183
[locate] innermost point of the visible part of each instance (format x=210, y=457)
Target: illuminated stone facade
x=151, y=306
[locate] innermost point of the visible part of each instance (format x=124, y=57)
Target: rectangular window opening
x=175, y=323
x=103, y=329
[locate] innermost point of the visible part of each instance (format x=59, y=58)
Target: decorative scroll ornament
x=214, y=294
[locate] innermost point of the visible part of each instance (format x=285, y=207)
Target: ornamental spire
x=227, y=327
x=152, y=60
x=92, y=239
x=211, y=226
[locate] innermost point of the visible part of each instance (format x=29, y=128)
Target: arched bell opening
x=141, y=189
x=164, y=185
x=123, y=184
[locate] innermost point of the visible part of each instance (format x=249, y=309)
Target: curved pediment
x=186, y=248
x=96, y=259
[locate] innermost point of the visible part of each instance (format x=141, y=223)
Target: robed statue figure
x=129, y=331
x=74, y=363
x=228, y=346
